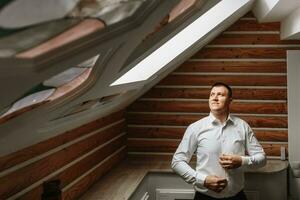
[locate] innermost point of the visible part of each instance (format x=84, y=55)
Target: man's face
x=219, y=100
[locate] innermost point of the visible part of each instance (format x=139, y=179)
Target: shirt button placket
x=223, y=136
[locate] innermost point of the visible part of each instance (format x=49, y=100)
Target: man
x=220, y=141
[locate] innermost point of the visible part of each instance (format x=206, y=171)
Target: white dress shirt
x=209, y=139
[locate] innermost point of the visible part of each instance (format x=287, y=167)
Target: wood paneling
x=223, y=52
x=232, y=39
x=149, y=132
x=159, y=145
x=232, y=66
x=274, y=149
x=76, y=170
x=177, y=133
x=170, y=146
x=159, y=119
x=184, y=120
x=252, y=25
x=270, y=122
x=207, y=80
x=33, y=194
x=203, y=93
x=77, y=189
x=22, y=178
x=202, y=107
x=260, y=94
x=44, y=146
x=272, y=135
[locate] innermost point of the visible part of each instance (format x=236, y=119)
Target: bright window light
x=181, y=41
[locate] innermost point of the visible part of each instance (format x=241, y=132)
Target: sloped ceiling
x=116, y=61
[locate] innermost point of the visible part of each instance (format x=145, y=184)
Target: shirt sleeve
x=182, y=157
x=256, y=156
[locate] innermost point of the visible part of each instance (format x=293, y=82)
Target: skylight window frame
x=215, y=16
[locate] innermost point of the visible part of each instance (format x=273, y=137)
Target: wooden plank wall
x=248, y=56
x=77, y=158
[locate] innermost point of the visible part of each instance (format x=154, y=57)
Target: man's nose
x=215, y=97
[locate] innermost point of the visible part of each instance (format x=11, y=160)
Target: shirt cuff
x=200, y=178
x=246, y=160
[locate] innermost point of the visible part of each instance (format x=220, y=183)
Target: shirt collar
x=212, y=119
x=230, y=118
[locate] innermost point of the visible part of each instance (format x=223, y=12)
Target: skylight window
x=180, y=42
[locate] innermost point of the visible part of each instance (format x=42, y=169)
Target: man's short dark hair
x=224, y=85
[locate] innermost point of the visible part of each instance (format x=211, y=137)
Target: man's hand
x=229, y=161
x=215, y=183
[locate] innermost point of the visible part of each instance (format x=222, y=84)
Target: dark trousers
x=240, y=196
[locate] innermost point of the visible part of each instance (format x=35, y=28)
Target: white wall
x=293, y=74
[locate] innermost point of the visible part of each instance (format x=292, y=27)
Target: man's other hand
x=229, y=161
x=215, y=183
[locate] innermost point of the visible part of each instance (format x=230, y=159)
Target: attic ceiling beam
x=285, y=11
x=290, y=26
x=274, y=10
x=263, y=8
